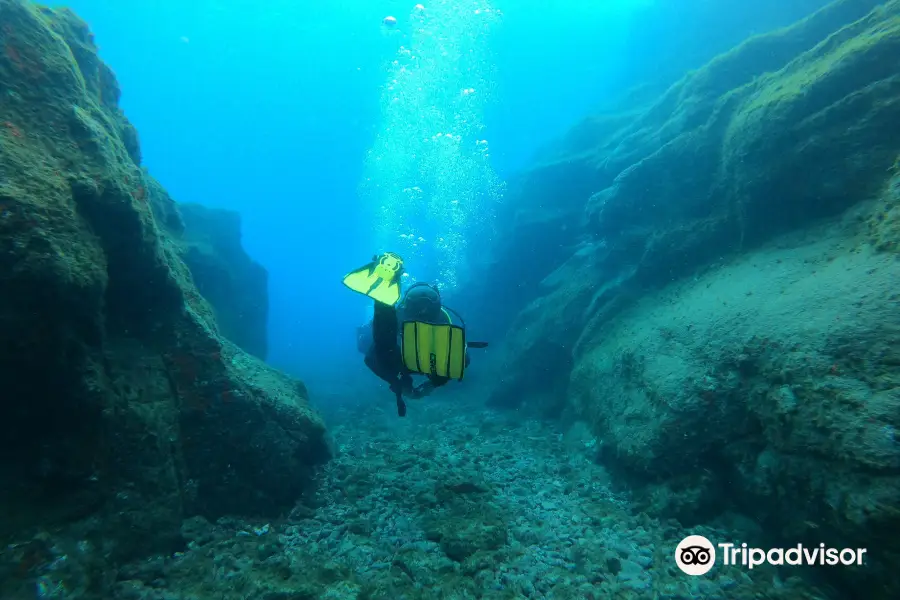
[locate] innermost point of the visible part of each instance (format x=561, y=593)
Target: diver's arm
x=425, y=388
x=422, y=390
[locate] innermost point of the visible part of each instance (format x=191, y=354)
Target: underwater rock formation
x=690, y=142
x=713, y=286
x=226, y=276
x=704, y=30
x=123, y=407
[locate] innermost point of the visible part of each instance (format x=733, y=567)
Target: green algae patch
x=35, y=55
x=860, y=52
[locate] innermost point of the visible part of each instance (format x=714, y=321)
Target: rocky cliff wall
x=674, y=157
x=712, y=287
x=123, y=407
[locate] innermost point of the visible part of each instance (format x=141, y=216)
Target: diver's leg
x=384, y=358
x=387, y=371
x=400, y=383
x=384, y=330
x=379, y=367
x=384, y=333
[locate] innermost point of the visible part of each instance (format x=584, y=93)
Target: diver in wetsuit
x=416, y=336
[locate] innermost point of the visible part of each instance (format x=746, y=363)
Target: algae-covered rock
x=650, y=178
x=536, y=233
x=768, y=384
x=123, y=408
x=789, y=127
x=738, y=152
x=542, y=337
x=234, y=284
x=732, y=319
x=466, y=536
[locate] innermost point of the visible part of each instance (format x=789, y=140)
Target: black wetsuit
x=384, y=356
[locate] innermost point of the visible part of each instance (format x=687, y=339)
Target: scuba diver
x=431, y=342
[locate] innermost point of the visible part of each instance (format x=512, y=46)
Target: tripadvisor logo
x=696, y=555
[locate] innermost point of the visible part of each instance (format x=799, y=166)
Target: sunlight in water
x=428, y=175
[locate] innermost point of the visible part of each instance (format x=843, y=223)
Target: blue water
x=270, y=108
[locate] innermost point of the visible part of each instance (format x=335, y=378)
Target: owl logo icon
x=695, y=555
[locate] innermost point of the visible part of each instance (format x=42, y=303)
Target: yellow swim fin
x=379, y=280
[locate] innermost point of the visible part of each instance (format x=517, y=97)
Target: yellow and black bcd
x=438, y=350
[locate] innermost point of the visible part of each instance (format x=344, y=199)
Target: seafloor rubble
x=459, y=503
x=715, y=289
x=123, y=408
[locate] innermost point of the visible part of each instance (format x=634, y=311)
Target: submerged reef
x=713, y=290
x=125, y=405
